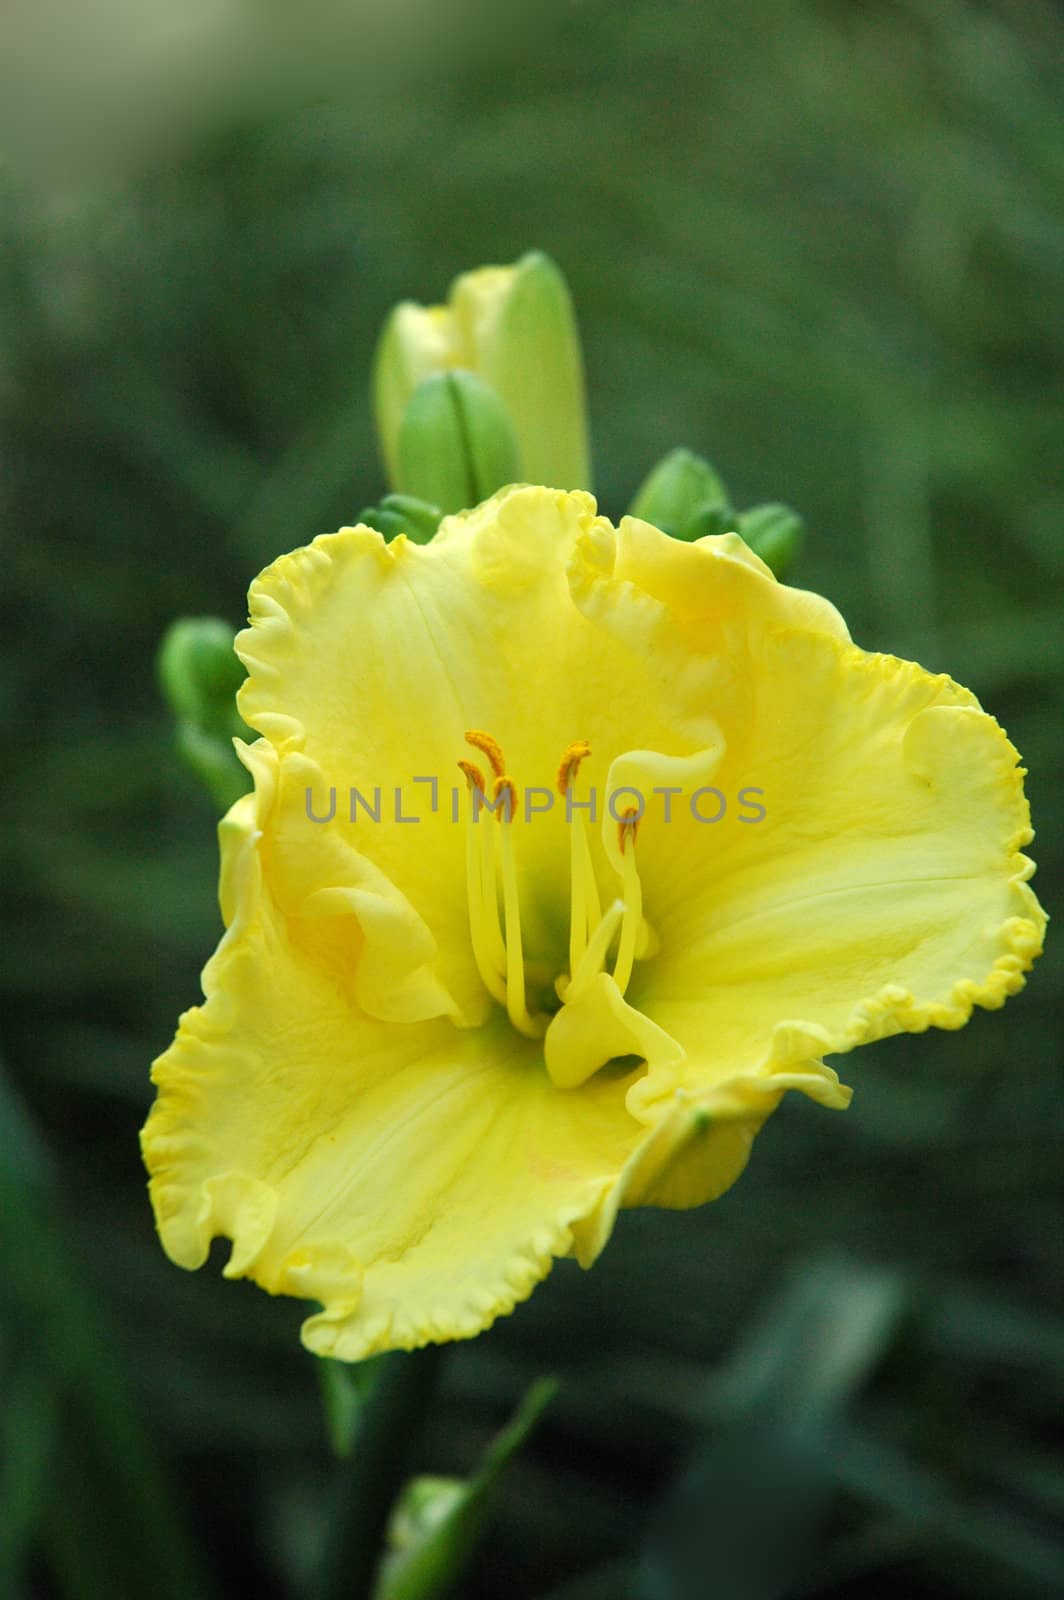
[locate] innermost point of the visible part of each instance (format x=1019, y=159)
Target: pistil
x=594, y=957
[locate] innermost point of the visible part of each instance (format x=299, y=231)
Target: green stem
x=388, y=1427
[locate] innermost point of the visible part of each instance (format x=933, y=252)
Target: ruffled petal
x=851, y=865
x=344, y=909
x=416, y=1179
x=697, y=1143
x=883, y=890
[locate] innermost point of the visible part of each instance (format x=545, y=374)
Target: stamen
x=489, y=953
x=490, y=871
x=633, y=901
x=504, y=799
x=498, y=945
x=627, y=828
x=584, y=909
x=473, y=776
x=516, y=1004
x=570, y=764
x=489, y=747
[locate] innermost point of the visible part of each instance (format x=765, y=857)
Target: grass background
x=822, y=243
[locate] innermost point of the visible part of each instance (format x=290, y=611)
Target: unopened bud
x=199, y=675
x=684, y=496
x=403, y=513
x=514, y=329
x=456, y=442
x=527, y=346
x=198, y=671
x=775, y=533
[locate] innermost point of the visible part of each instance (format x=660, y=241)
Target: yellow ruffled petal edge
x=935, y=732
x=692, y=1147
x=207, y=1181
x=695, y=1150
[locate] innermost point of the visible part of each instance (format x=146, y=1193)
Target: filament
x=584, y=910
x=633, y=902
x=516, y=1005
x=498, y=944
x=488, y=950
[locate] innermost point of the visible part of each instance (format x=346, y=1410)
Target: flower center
x=491, y=876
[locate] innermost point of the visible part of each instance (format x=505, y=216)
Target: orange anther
x=505, y=811
x=628, y=827
x=570, y=764
x=489, y=747
x=474, y=776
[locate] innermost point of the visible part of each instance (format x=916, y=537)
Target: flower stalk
x=388, y=1427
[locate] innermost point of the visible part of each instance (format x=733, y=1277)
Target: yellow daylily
x=436, y=1054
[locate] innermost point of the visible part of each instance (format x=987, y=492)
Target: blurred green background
x=822, y=243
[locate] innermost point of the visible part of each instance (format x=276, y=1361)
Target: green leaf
x=813, y=1347
x=741, y=1522
x=745, y=1517
x=92, y=1492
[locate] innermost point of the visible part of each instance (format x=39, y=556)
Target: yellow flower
x=436, y=1054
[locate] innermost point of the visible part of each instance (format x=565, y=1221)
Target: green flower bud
x=415, y=344
x=514, y=328
x=402, y=513
x=528, y=349
x=423, y=1506
x=774, y=533
x=711, y=519
x=684, y=496
x=198, y=672
x=456, y=442
x=199, y=675
x=389, y=523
